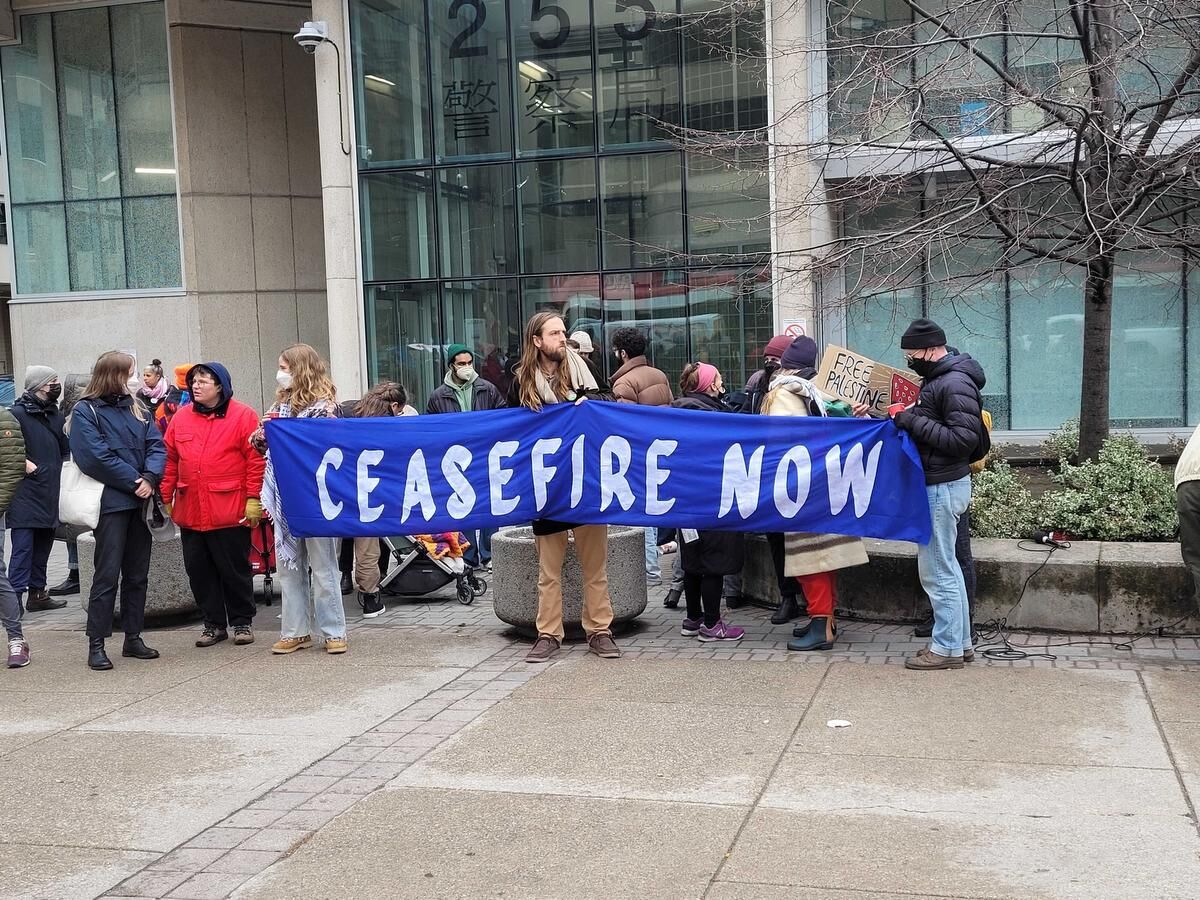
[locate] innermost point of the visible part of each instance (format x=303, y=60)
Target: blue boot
x=817, y=638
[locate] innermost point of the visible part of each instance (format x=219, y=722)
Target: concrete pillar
x=347, y=329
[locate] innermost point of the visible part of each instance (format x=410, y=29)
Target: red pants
x=820, y=590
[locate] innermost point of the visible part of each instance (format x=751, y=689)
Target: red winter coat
x=211, y=467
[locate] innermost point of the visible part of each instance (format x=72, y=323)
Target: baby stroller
x=414, y=571
x=262, y=557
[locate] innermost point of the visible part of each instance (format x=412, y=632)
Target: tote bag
x=79, y=494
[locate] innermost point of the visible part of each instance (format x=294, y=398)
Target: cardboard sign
x=846, y=375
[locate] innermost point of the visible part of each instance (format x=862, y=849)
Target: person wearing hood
x=212, y=483
x=812, y=560
x=33, y=515
x=114, y=441
x=947, y=426
x=707, y=556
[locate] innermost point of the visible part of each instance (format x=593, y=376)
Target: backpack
x=979, y=459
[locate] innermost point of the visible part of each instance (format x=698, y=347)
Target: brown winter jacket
x=639, y=382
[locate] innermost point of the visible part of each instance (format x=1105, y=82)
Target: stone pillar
x=347, y=322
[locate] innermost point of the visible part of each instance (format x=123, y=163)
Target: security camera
x=311, y=35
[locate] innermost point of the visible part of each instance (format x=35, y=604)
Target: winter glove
x=254, y=512
x=904, y=420
x=170, y=508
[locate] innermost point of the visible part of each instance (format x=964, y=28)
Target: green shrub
x=1123, y=495
x=1063, y=444
x=1001, y=507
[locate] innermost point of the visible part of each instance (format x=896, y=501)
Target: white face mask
x=283, y=379
x=134, y=383
x=465, y=373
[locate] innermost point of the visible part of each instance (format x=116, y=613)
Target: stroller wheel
x=465, y=596
x=478, y=585
x=268, y=591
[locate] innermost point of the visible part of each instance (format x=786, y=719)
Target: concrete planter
x=168, y=593
x=515, y=578
x=1111, y=588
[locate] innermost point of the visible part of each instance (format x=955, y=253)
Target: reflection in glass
x=1145, y=384
x=1045, y=335
x=643, y=210
x=487, y=317
x=574, y=297
x=39, y=237
x=552, y=53
x=471, y=77
x=143, y=81
x=729, y=210
x=397, y=221
x=637, y=58
x=731, y=319
x=392, y=102
x=725, y=65
x=89, y=132
x=558, y=215
x=474, y=206
x=31, y=114
x=656, y=303
x=152, y=242
x=97, y=241
x=402, y=338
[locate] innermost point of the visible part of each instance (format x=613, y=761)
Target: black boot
x=68, y=587
x=789, y=609
x=39, y=601
x=347, y=584
x=736, y=601
x=97, y=658
x=671, y=601
x=136, y=648
x=925, y=629
x=817, y=637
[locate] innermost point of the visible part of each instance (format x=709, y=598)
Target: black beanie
x=923, y=334
x=800, y=354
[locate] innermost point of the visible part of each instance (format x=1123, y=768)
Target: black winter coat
x=716, y=552
x=947, y=422
x=484, y=396
x=35, y=504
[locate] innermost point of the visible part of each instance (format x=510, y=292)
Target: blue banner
x=598, y=463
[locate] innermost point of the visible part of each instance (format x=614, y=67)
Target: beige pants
x=366, y=564
x=591, y=546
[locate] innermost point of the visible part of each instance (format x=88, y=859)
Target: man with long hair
x=551, y=372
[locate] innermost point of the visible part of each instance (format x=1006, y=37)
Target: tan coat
x=804, y=553
x=639, y=382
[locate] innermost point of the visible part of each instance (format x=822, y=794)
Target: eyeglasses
x=203, y=381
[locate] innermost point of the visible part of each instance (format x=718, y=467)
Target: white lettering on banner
x=613, y=483
x=577, y=472
x=542, y=473
x=853, y=476
x=740, y=480
x=655, y=477
x=795, y=457
x=454, y=470
x=417, y=491
x=499, y=476
x=367, y=483
x=331, y=460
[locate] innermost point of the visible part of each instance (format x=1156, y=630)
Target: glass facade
x=519, y=156
x=92, y=186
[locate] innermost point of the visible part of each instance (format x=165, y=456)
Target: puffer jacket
x=639, y=382
x=947, y=422
x=12, y=458
x=109, y=443
x=715, y=552
x=35, y=504
x=211, y=468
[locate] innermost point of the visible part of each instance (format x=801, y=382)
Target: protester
x=581, y=343
x=966, y=559
x=33, y=515
x=550, y=372
x=212, y=483
x=760, y=382
x=947, y=426
x=811, y=559
x=73, y=387
x=307, y=567
x=1187, y=499
x=463, y=390
x=382, y=401
x=160, y=396
x=181, y=373
x=707, y=556
x=115, y=441
x=12, y=471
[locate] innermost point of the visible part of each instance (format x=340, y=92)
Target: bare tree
x=989, y=135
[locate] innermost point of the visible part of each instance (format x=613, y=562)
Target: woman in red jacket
x=212, y=484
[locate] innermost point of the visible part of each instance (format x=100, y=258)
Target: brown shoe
x=40, y=601
x=242, y=634
x=291, y=645
x=927, y=660
x=602, y=644
x=543, y=648
x=335, y=645
x=968, y=656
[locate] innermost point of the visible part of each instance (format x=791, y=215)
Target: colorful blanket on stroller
x=446, y=545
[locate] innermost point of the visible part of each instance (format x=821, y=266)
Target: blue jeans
x=30, y=552
x=653, y=569
x=941, y=574
x=480, y=551
x=312, y=603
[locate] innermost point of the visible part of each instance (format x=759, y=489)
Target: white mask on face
x=283, y=379
x=134, y=383
x=465, y=374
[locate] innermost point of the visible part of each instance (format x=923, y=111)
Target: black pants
x=218, y=569
x=703, y=593
x=122, y=556
x=787, y=586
